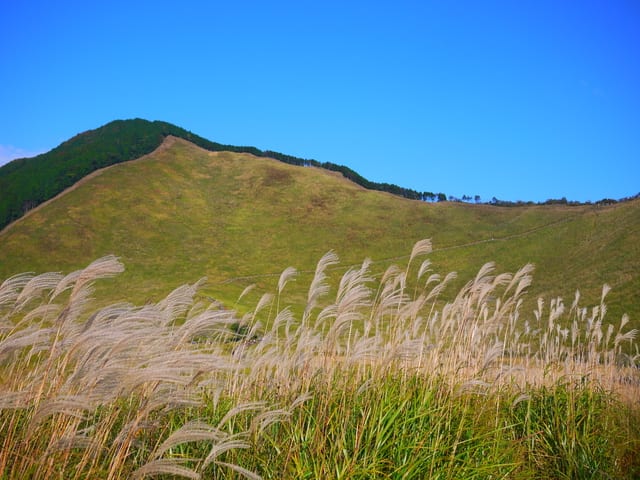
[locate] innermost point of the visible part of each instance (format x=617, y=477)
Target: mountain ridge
x=28, y=182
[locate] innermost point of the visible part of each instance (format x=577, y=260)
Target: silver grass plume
x=238, y=409
x=33, y=337
x=194, y=431
x=70, y=405
x=35, y=288
x=288, y=274
x=262, y=421
x=67, y=283
x=421, y=247
x=424, y=268
x=10, y=289
x=45, y=313
x=178, y=302
x=319, y=287
x=166, y=466
x=523, y=278
x=212, y=323
x=105, y=267
x=246, y=290
x=264, y=301
x=222, y=447
x=11, y=400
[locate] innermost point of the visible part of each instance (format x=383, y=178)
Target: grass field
x=375, y=377
x=390, y=367
x=183, y=213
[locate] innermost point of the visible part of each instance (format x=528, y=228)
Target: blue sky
x=521, y=100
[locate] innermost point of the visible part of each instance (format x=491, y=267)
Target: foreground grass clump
x=404, y=429
x=377, y=378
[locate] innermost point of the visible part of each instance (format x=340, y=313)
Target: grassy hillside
x=183, y=213
x=28, y=182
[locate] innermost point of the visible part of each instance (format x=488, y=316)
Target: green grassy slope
x=28, y=182
x=183, y=213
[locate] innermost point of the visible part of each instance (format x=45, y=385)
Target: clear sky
x=519, y=100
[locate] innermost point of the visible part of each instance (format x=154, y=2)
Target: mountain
x=182, y=212
x=26, y=183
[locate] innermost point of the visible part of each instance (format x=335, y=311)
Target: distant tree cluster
x=552, y=201
x=28, y=182
x=561, y=201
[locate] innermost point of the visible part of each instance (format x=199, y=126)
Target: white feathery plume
x=246, y=290
x=10, y=289
x=608, y=335
x=208, y=323
x=105, y=267
x=71, y=405
x=433, y=278
x=194, y=431
x=628, y=336
x=10, y=400
x=524, y=397
x=288, y=274
x=390, y=273
x=524, y=278
x=318, y=287
x=264, y=301
x=493, y=353
x=300, y=400
x=424, y=268
x=421, y=247
x=284, y=317
x=623, y=321
x=66, y=283
x=437, y=290
x=244, y=407
x=366, y=348
x=166, y=466
x=44, y=312
x=178, y=302
x=31, y=337
x=352, y=290
x=484, y=272
x=606, y=288
x=37, y=285
x=576, y=300
x=390, y=298
x=261, y=421
x=224, y=446
x=325, y=314
x=505, y=279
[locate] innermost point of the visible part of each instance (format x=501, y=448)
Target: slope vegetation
x=28, y=182
x=182, y=213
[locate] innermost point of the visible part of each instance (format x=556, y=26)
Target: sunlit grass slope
x=183, y=213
